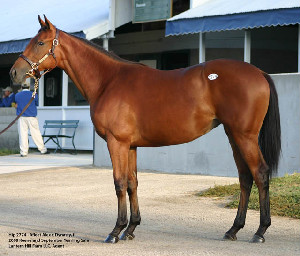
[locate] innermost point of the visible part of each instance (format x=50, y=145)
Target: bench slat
x=60, y=126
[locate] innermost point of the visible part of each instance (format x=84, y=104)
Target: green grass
x=284, y=195
x=4, y=152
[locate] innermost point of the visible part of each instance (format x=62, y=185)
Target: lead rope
x=34, y=72
x=36, y=86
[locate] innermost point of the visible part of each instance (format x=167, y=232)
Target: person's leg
x=36, y=134
x=23, y=136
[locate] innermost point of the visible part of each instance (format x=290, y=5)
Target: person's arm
x=6, y=102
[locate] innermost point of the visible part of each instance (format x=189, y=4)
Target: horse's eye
x=40, y=43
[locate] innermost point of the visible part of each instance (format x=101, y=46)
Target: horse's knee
x=132, y=186
x=120, y=186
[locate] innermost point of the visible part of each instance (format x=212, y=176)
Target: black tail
x=270, y=134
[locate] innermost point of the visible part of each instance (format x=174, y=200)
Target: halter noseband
x=34, y=71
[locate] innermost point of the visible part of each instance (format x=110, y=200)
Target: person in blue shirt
x=8, y=98
x=28, y=121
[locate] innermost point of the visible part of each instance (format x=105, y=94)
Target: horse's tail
x=270, y=134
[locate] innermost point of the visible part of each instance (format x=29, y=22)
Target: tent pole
x=201, y=47
x=247, y=46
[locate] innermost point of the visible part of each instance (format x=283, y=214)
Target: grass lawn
x=284, y=195
x=4, y=152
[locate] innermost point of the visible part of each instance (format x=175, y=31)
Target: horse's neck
x=89, y=68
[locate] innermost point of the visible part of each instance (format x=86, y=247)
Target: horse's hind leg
x=135, y=218
x=250, y=152
x=246, y=181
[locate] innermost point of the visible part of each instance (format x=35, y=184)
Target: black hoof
x=125, y=236
x=257, y=239
x=111, y=239
x=229, y=237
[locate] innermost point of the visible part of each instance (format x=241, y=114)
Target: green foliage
x=4, y=152
x=284, y=195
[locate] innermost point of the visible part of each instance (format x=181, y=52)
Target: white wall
x=211, y=154
x=9, y=139
x=84, y=133
x=288, y=89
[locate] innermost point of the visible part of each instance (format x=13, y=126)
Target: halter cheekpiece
x=34, y=71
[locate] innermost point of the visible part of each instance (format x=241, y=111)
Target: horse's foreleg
x=119, y=157
x=135, y=217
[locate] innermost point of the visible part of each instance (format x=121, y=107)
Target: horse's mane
x=108, y=53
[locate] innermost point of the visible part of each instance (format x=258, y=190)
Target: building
x=263, y=33
x=58, y=96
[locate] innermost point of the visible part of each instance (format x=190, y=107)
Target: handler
x=28, y=120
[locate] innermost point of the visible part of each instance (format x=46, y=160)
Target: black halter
x=34, y=71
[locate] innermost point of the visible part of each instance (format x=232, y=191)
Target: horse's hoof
x=125, y=236
x=257, y=239
x=111, y=239
x=229, y=237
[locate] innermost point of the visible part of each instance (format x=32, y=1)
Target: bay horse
x=132, y=105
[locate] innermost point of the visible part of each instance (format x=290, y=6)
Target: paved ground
x=39, y=206
x=34, y=161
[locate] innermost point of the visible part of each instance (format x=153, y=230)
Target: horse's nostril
x=13, y=73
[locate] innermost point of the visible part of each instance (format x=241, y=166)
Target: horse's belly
x=172, y=132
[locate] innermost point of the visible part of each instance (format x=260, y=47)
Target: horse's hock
x=9, y=140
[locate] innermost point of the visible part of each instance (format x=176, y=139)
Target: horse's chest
x=99, y=121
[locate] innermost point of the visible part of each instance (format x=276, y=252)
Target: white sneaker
x=44, y=151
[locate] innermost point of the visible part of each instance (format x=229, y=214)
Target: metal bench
x=61, y=125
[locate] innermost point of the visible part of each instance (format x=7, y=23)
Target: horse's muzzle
x=13, y=74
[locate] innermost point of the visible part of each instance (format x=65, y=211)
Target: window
x=75, y=98
x=53, y=88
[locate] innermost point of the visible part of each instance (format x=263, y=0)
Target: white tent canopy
x=88, y=18
x=19, y=18
x=205, y=8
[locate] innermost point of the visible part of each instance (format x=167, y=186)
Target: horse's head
x=35, y=57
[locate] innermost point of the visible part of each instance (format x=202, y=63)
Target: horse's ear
x=43, y=24
x=48, y=23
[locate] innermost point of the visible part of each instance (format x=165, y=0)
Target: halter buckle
x=34, y=66
x=55, y=42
